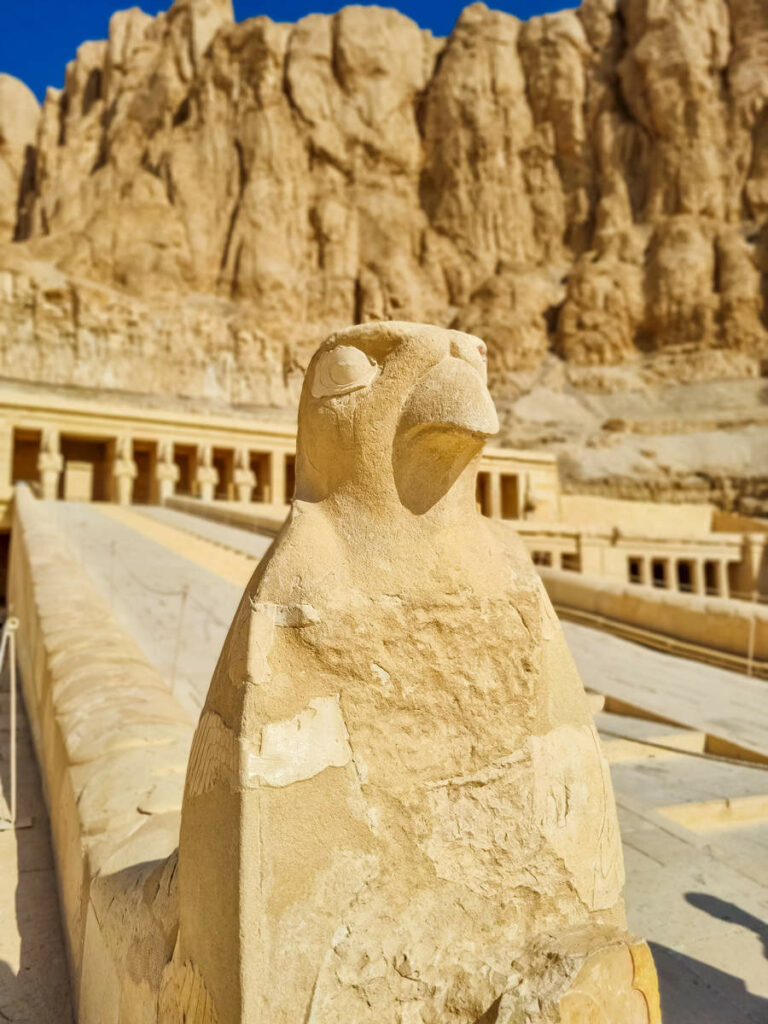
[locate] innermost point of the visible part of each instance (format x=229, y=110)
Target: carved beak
x=452, y=394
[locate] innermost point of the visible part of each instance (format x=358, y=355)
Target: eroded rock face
x=19, y=115
x=61, y=330
x=396, y=805
x=592, y=182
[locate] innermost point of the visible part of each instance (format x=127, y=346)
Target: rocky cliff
x=587, y=189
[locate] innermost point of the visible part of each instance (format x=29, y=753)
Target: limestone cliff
x=589, y=187
x=19, y=116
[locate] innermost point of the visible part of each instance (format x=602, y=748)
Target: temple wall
x=664, y=517
x=112, y=747
x=732, y=626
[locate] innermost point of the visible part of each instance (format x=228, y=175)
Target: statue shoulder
x=304, y=553
x=508, y=540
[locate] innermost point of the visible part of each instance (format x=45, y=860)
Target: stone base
x=589, y=979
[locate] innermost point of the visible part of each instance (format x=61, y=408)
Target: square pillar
x=277, y=477
x=494, y=495
x=243, y=476
x=752, y=563
x=591, y=554
x=206, y=475
x=6, y=460
x=50, y=463
x=123, y=470
x=699, y=581
x=167, y=473
x=645, y=570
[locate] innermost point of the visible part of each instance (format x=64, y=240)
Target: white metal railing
x=8, y=646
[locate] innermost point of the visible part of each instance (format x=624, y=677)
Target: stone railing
x=356, y=799
x=266, y=519
x=112, y=745
x=723, y=631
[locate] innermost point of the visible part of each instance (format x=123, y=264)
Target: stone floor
x=34, y=984
x=699, y=894
x=716, y=700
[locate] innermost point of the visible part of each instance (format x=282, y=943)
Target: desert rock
x=571, y=183
x=19, y=115
x=586, y=190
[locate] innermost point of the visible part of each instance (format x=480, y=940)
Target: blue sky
x=39, y=36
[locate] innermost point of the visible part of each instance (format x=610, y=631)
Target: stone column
x=50, y=463
x=124, y=470
x=494, y=495
x=753, y=546
x=528, y=502
x=6, y=460
x=244, y=477
x=277, y=477
x=723, y=588
x=207, y=475
x=591, y=548
x=167, y=472
x=699, y=577
x=645, y=564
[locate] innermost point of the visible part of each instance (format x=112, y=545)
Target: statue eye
x=342, y=370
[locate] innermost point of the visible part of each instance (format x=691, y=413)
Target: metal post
x=751, y=647
x=9, y=642
x=177, y=645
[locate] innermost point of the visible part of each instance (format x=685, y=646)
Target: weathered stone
x=19, y=115
x=112, y=745
x=591, y=182
x=396, y=806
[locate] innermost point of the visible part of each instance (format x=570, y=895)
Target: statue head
x=398, y=410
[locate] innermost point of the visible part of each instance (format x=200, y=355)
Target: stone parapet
x=112, y=745
x=738, y=628
x=267, y=519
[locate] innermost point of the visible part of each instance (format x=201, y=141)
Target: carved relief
x=183, y=997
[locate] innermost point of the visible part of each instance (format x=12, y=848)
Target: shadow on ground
x=693, y=992
x=725, y=911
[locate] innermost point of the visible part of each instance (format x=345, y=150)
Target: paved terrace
x=695, y=829
x=34, y=982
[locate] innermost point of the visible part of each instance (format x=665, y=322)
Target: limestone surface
x=396, y=806
x=112, y=746
x=591, y=184
x=19, y=116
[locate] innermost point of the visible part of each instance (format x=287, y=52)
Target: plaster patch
x=265, y=617
x=290, y=751
x=298, y=748
x=381, y=674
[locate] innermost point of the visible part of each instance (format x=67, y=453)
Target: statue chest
x=424, y=683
